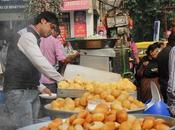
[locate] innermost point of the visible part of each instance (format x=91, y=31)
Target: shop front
x=11, y=14
x=77, y=19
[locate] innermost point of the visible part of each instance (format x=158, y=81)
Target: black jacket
x=20, y=72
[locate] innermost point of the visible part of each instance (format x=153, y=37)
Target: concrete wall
x=11, y=16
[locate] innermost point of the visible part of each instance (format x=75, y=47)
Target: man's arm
x=28, y=45
x=61, y=56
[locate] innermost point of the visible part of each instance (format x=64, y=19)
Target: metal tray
x=35, y=126
x=93, y=43
x=73, y=93
x=136, y=111
x=57, y=113
x=92, y=104
x=169, y=119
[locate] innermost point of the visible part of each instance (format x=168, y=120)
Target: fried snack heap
x=104, y=118
x=79, y=83
x=117, y=99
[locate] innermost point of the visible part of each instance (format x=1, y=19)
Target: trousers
x=20, y=109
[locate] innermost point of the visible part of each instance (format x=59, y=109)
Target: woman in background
x=148, y=71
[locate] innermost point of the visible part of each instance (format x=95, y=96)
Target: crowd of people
x=158, y=66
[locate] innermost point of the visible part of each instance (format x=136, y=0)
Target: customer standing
x=148, y=71
x=24, y=64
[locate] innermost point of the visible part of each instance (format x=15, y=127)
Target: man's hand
x=47, y=91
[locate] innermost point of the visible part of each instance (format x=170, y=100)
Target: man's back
x=51, y=49
x=20, y=73
x=163, y=59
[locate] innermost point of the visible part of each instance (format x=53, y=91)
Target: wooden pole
x=165, y=22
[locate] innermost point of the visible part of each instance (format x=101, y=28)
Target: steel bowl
x=35, y=126
x=170, y=120
x=57, y=113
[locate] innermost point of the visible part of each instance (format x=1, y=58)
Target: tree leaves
x=35, y=7
x=144, y=13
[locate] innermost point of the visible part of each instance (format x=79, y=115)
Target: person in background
x=133, y=53
x=24, y=64
x=163, y=44
x=148, y=71
x=163, y=59
x=171, y=30
x=69, y=52
x=51, y=48
x=171, y=81
x=101, y=33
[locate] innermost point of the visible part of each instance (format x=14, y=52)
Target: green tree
x=144, y=13
x=35, y=7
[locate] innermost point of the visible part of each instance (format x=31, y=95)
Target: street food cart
x=102, y=53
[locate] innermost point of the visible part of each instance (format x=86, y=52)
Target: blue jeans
x=1, y=97
x=53, y=89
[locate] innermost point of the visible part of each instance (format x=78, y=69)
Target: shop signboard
x=69, y=5
x=12, y=4
x=117, y=21
x=80, y=24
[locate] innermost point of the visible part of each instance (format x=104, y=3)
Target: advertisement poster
x=80, y=24
x=63, y=32
x=65, y=27
x=101, y=30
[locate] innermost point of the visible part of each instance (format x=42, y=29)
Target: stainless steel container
x=93, y=43
x=57, y=113
x=72, y=93
x=170, y=120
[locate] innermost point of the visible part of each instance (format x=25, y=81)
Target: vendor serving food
x=25, y=62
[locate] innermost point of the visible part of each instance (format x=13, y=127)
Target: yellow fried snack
x=107, y=119
x=93, y=86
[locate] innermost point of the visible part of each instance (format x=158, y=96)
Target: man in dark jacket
x=24, y=64
x=163, y=59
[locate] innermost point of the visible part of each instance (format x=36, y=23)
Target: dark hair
x=157, y=44
x=48, y=16
x=150, y=48
x=171, y=40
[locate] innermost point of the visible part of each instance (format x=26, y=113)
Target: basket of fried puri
x=77, y=86
x=115, y=99
x=105, y=118
x=116, y=95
